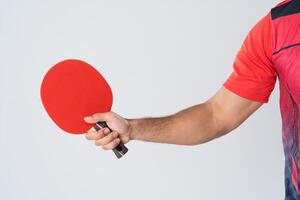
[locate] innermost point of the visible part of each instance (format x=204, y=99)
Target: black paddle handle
x=119, y=150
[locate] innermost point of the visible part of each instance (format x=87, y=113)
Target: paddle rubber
x=73, y=89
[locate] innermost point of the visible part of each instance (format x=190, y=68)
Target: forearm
x=192, y=126
x=196, y=125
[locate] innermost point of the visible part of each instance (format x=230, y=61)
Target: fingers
x=112, y=144
x=99, y=117
x=96, y=135
x=104, y=138
x=107, y=139
x=109, y=142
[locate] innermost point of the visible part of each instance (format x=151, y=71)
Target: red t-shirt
x=272, y=49
x=254, y=75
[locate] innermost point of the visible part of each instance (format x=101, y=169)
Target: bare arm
x=201, y=123
x=196, y=125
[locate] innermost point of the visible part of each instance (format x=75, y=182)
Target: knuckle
x=106, y=131
x=117, y=141
x=100, y=134
x=114, y=134
x=110, y=137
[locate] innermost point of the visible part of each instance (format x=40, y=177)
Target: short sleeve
x=254, y=75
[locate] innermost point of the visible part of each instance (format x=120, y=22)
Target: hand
x=109, y=140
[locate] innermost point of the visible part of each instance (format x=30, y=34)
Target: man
x=271, y=50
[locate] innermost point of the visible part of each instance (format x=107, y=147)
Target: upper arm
x=230, y=110
x=254, y=74
x=252, y=80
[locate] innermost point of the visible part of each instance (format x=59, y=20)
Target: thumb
x=90, y=119
x=96, y=118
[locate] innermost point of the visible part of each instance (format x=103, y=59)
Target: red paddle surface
x=71, y=90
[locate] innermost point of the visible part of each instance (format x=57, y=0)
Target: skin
x=198, y=124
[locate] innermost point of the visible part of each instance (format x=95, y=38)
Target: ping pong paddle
x=73, y=89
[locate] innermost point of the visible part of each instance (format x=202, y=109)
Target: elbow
x=205, y=138
x=217, y=126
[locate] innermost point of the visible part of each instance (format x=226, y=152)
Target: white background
x=159, y=57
